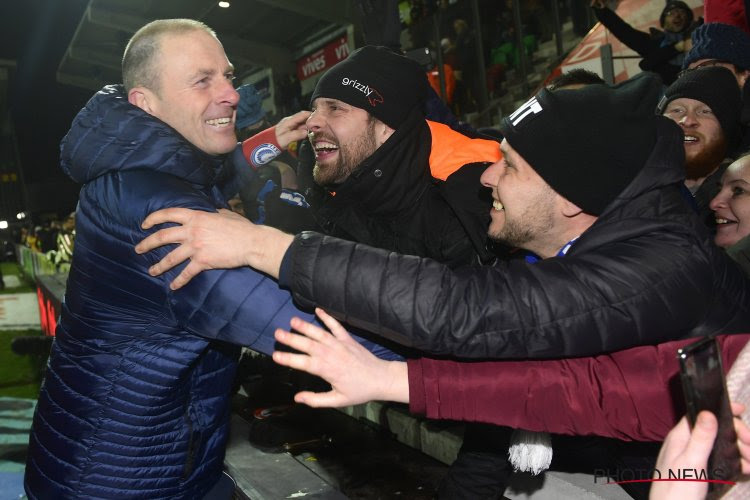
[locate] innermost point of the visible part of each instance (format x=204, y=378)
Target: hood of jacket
x=110, y=134
x=647, y=202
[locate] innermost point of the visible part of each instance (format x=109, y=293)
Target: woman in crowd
x=732, y=209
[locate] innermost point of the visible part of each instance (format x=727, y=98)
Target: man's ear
x=570, y=209
x=382, y=132
x=141, y=97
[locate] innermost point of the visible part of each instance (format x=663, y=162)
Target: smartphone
x=705, y=388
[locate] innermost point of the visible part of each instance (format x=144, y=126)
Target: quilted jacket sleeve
x=619, y=297
x=631, y=395
x=240, y=306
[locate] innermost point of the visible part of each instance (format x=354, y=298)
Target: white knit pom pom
x=530, y=451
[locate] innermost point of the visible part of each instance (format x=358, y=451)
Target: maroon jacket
x=633, y=394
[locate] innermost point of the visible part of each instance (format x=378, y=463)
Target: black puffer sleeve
x=621, y=296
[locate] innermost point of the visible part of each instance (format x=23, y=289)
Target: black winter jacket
x=391, y=201
x=645, y=272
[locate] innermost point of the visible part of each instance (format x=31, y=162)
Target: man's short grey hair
x=138, y=61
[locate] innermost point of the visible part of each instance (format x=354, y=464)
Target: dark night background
x=36, y=33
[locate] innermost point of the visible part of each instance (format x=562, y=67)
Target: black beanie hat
x=676, y=4
x=716, y=87
x=588, y=143
x=378, y=80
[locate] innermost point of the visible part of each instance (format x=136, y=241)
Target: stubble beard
x=349, y=158
x=531, y=227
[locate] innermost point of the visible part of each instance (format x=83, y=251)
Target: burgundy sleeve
x=632, y=394
x=417, y=397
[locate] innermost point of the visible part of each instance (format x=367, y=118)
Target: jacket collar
x=110, y=134
x=394, y=177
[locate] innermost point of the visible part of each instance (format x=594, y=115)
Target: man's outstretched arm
x=221, y=240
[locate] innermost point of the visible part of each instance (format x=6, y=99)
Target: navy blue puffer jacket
x=135, y=402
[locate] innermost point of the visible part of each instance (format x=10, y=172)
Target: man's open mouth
x=323, y=148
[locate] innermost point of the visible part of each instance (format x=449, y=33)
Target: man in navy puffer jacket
x=135, y=403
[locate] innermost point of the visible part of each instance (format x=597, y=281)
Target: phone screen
x=704, y=387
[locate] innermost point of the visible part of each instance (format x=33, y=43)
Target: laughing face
x=195, y=95
x=705, y=145
x=524, y=205
x=732, y=205
x=343, y=136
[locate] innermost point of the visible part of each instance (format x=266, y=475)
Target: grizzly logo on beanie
x=366, y=90
x=376, y=79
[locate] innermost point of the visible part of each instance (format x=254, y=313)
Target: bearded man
x=706, y=104
x=391, y=178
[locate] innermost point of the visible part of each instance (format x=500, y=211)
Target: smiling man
x=390, y=177
x=389, y=167
x=706, y=104
x=135, y=402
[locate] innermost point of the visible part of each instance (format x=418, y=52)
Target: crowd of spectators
x=499, y=45
x=53, y=238
x=536, y=289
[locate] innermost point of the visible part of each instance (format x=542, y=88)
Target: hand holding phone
x=704, y=387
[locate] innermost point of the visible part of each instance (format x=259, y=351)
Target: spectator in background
x=420, y=27
x=466, y=66
x=47, y=235
x=31, y=239
x=251, y=117
x=731, y=208
x=450, y=82
x=717, y=44
x=62, y=256
x=503, y=38
x=706, y=104
x=662, y=51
